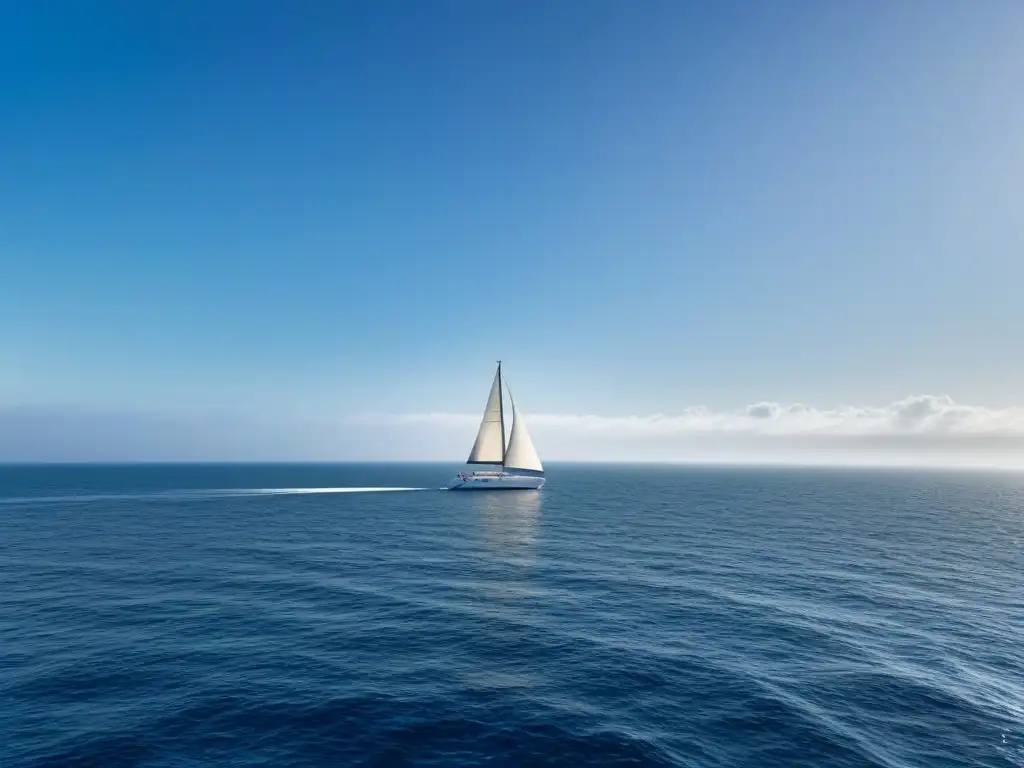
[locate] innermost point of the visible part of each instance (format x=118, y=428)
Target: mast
x=501, y=415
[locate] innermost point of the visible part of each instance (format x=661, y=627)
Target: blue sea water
x=254, y=615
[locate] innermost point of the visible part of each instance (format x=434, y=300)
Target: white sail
x=490, y=439
x=521, y=454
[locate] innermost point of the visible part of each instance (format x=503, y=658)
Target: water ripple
x=243, y=616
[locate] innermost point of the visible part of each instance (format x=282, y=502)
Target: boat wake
x=373, y=489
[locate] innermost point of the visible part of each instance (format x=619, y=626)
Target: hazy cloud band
x=918, y=415
x=920, y=430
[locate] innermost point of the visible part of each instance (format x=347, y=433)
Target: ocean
x=302, y=615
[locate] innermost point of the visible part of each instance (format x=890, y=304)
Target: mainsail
x=521, y=454
x=489, y=447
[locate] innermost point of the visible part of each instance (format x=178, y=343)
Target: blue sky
x=317, y=211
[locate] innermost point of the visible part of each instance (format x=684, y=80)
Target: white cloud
x=921, y=415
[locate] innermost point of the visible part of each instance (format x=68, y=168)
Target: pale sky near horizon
x=306, y=230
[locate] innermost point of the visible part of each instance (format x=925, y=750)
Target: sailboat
x=513, y=466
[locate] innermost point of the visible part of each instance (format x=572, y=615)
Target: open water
x=301, y=615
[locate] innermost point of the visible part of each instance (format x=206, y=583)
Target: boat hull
x=495, y=481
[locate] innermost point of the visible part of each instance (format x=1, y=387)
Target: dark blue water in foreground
x=193, y=615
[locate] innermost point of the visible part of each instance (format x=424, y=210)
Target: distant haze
x=919, y=431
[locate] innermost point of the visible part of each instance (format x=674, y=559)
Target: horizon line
x=681, y=463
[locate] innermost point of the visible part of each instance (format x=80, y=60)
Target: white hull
x=495, y=481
